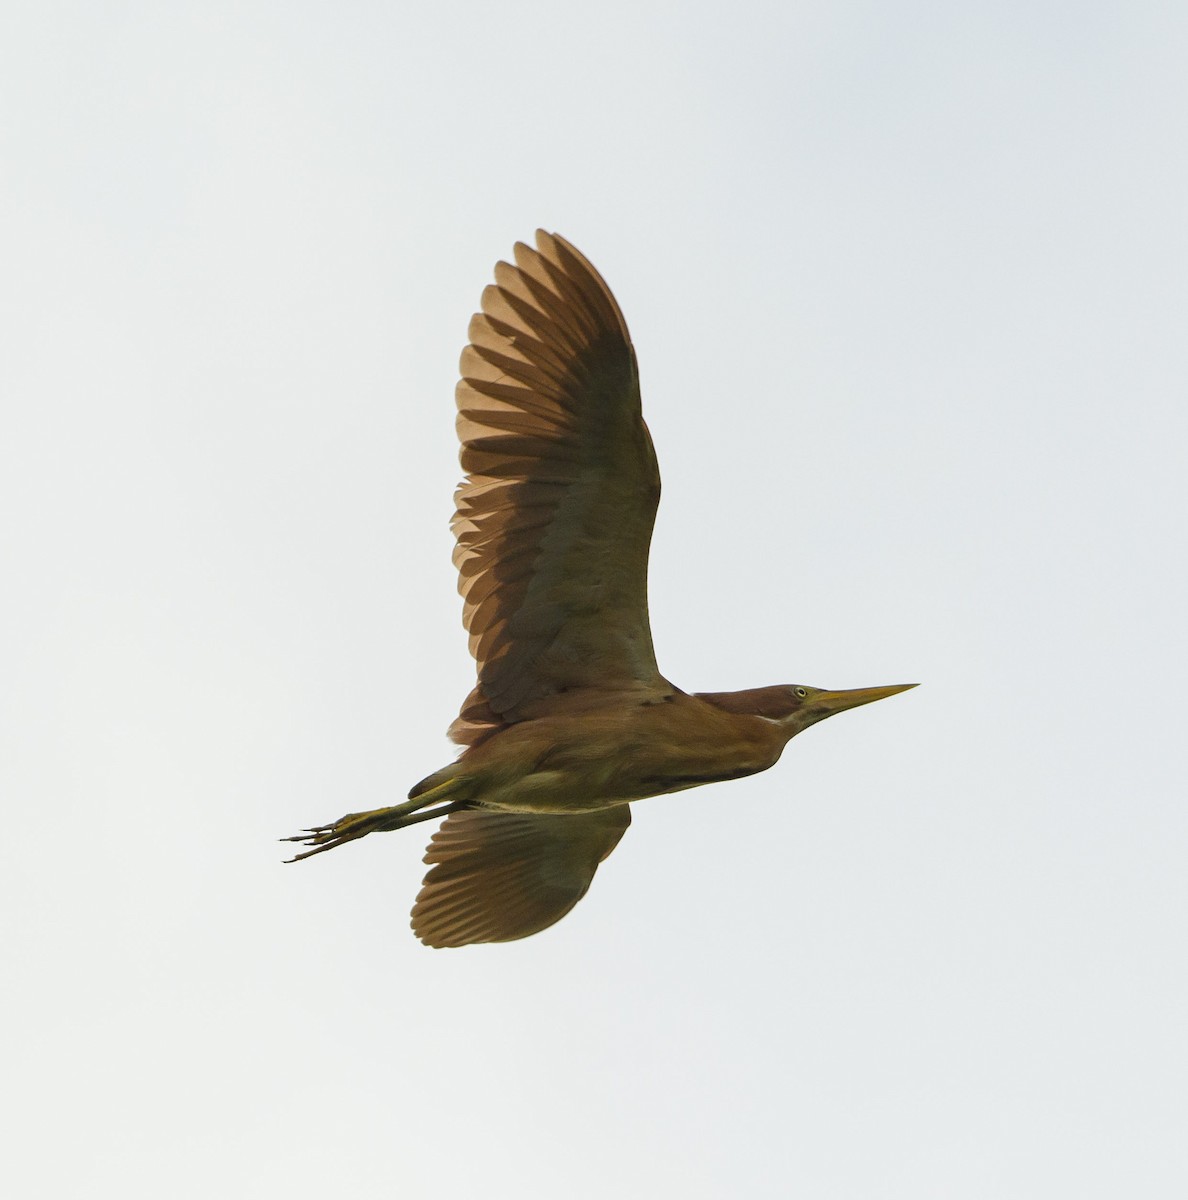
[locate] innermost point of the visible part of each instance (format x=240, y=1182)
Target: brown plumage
x=570, y=719
x=553, y=577
x=501, y=873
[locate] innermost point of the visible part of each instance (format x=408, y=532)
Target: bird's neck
x=771, y=703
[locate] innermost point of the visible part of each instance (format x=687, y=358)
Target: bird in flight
x=570, y=720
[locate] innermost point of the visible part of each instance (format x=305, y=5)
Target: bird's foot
x=426, y=806
x=345, y=829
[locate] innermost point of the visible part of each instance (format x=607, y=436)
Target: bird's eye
x=801, y=693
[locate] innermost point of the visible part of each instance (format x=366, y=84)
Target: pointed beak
x=835, y=702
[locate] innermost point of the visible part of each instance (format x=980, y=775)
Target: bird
x=570, y=721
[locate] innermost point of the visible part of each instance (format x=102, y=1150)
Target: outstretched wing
x=555, y=515
x=501, y=876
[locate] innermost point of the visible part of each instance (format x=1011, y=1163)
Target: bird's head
x=797, y=706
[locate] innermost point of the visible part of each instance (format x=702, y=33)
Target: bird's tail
x=447, y=784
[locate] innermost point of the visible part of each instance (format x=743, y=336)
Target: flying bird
x=570, y=720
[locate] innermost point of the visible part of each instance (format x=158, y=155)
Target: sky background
x=908, y=283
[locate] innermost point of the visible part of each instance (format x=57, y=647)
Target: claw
x=326, y=837
x=308, y=853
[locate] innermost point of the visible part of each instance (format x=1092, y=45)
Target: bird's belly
x=554, y=792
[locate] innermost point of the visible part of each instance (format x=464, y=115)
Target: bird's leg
x=435, y=802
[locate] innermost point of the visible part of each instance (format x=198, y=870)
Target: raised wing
x=501, y=876
x=555, y=515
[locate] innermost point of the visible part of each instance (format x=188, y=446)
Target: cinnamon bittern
x=570, y=720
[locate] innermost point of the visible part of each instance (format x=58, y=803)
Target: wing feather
x=499, y=876
x=554, y=518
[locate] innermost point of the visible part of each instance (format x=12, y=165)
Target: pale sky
x=908, y=283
